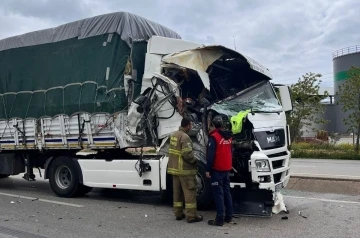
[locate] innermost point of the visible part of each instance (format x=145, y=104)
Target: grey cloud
x=55, y=10
x=289, y=37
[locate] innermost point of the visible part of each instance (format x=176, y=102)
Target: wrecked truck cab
x=206, y=81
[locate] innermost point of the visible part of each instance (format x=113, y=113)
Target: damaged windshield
x=258, y=98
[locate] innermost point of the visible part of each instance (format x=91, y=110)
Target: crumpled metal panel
x=198, y=59
x=201, y=58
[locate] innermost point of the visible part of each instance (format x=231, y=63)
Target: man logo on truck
x=273, y=139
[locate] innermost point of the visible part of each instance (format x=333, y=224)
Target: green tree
x=306, y=104
x=350, y=99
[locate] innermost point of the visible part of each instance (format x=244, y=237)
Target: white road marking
x=41, y=200
x=324, y=200
x=327, y=175
x=303, y=166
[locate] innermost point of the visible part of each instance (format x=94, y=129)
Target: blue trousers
x=220, y=184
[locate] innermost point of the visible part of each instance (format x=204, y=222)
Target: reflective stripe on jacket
x=181, y=156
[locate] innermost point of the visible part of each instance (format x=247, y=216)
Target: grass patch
x=324, y=151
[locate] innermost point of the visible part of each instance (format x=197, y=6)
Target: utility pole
x=234, y=43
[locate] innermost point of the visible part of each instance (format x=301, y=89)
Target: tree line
x=307, y=103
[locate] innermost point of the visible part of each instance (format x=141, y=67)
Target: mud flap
x=252, y=202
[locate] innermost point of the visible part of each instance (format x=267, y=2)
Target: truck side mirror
x=285, y=97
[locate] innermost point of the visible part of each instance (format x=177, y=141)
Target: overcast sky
x=290, y=37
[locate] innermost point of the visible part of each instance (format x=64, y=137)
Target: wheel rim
x=200, y=184
x=63, y=177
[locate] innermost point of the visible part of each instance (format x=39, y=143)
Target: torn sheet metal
x=258, y=67
x=198, y=59
x=174, y=87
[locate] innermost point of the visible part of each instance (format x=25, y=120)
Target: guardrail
x=346, y=51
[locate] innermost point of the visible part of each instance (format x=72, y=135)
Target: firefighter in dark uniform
x=182, y=166
x=219, y=165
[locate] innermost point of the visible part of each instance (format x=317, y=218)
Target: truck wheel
x=4, y=176
x=204, y=194
x=64, y=177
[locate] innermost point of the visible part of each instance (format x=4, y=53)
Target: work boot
x=195, y=219
x=215, y=223
x=229, y=220
x=178, y=218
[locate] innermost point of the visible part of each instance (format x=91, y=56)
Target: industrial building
x=343, y=60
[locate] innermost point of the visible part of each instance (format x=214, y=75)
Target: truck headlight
x=262, y=165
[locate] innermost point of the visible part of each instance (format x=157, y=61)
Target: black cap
x=217, y=121
x=185, y=122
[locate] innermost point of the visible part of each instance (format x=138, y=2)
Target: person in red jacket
x=219, y=165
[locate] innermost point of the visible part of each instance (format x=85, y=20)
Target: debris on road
x=300, y=214
x=285, y=218
x=12, y=202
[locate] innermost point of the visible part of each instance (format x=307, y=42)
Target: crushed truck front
x=261, y=159
x=202, y=82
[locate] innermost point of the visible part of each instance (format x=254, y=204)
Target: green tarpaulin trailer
x=75, y=67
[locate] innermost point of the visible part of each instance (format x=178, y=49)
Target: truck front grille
x=271, y=139
x=278, y=164
x=284, y=153
x=277, y=178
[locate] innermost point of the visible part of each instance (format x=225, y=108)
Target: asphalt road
x=346, y=169
x=114, y=213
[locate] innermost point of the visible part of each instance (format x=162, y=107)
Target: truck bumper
x=252, y=202
x=257, y=201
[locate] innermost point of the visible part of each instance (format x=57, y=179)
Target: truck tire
x=64, y=177
x=204, y=194
x=83, y=190
x=4, y=176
